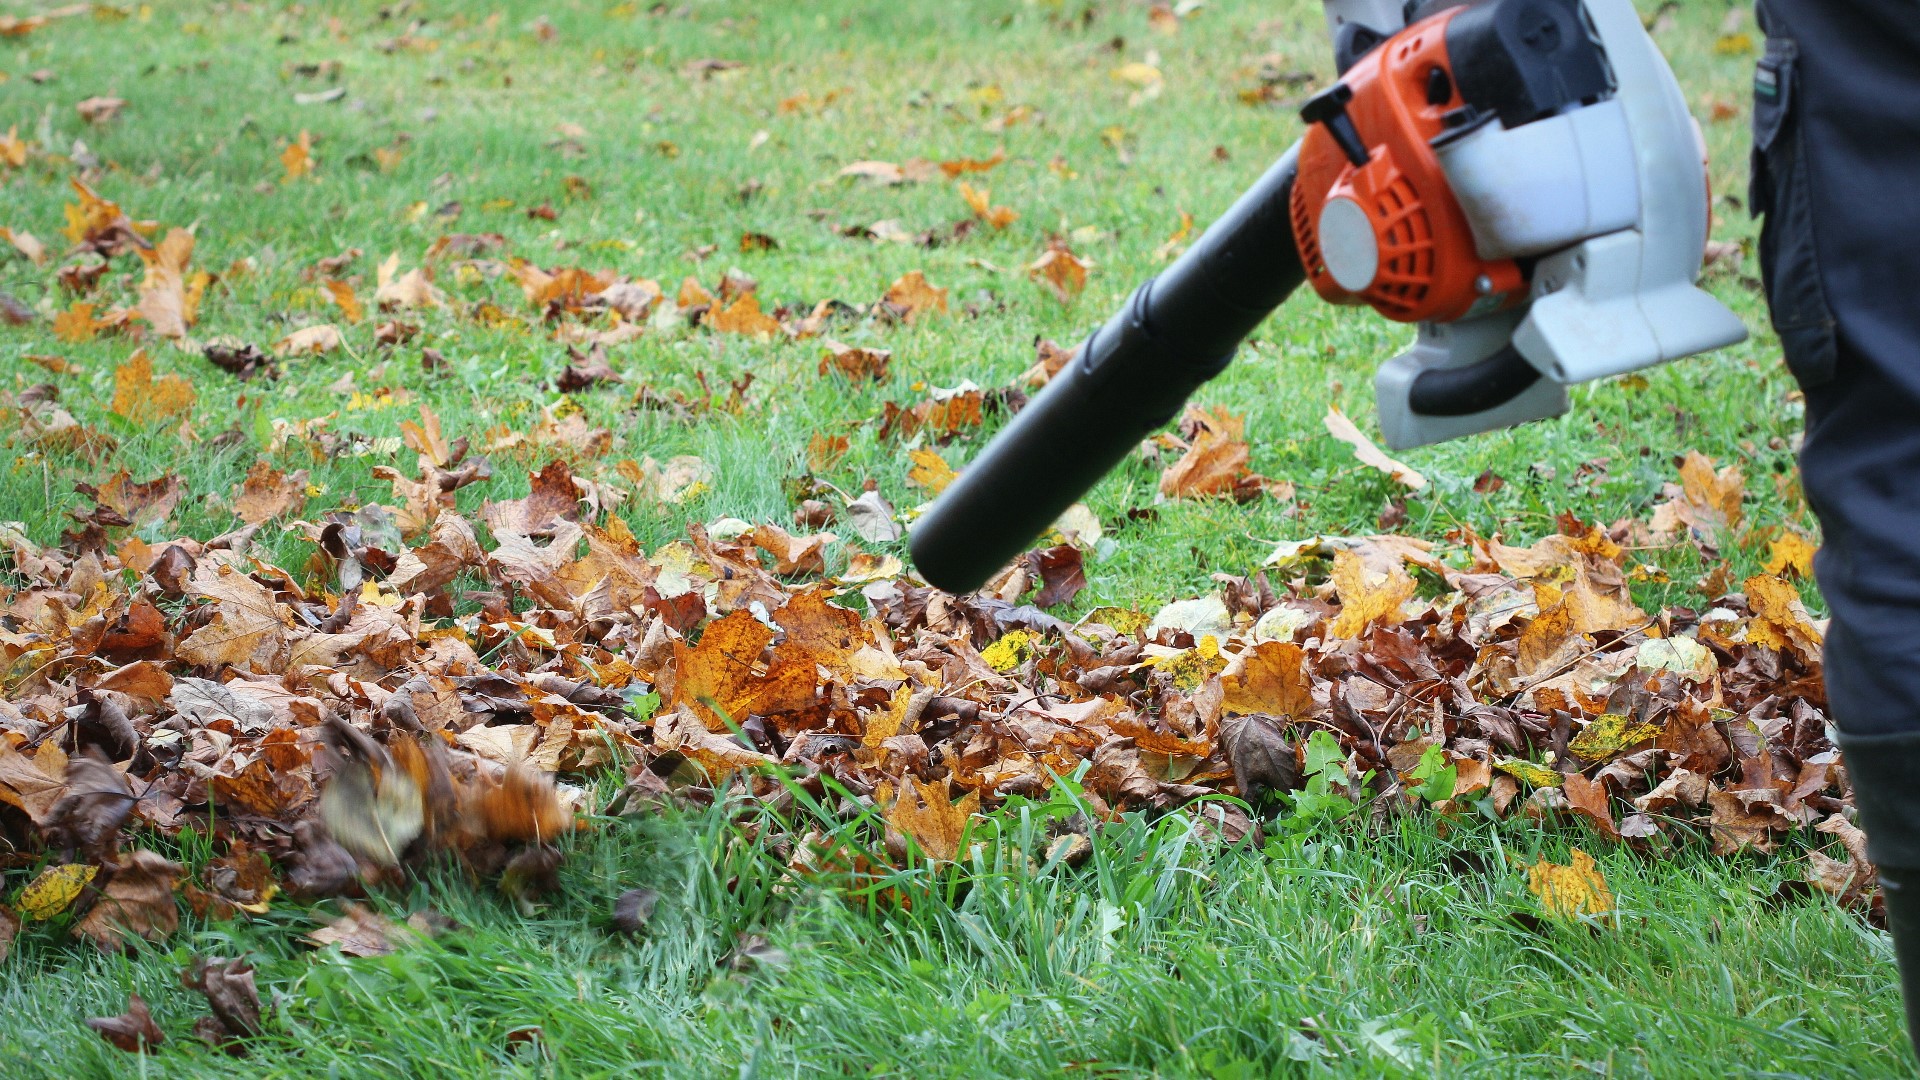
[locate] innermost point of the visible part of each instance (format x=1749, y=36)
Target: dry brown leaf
x=267, y=493
x=1708, y=502
x=1340, y=427
x=1060, y=272
x=914, y=298
x=137, y=902
x=1215, y=463
x=1268, y=679
x=363, y=932
x=309, y=341
x=133, y=1031
x=928, y=814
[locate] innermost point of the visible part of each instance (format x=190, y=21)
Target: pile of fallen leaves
x=331, y=726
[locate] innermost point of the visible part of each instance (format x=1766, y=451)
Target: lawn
x=703, y=139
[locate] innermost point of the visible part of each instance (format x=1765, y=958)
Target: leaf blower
x=1519, y=179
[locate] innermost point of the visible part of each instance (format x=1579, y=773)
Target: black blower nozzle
x=1130, y=378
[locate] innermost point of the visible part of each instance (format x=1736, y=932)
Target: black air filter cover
x=1526, y=60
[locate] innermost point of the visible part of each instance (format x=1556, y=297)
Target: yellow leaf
x=298, y=157
x=1780, y=621
x=1269, y=679
x=1570, y=891
x=1537, y=775
x=1364, y=600
x=1610, y=735
x=1791, y=553
x=1014, y=648
x=345, y=300
x=137, y=395
x=1190, y=668
x=1739, y=44
x=980, y=201
x=55, y=889
x=930, y=471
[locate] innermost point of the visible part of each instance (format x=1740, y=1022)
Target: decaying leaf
x=1572, y=890
x=136, y=902
x=133, y=1031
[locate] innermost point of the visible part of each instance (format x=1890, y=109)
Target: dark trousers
x=1836, y=173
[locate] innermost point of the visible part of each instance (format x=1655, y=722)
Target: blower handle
x=1130, y=378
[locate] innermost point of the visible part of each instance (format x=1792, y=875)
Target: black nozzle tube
x=1477, y=387
x=1130, y=378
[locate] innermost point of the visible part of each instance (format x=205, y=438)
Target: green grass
x=1166, y=956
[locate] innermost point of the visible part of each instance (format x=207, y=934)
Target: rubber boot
x=1900, y=890
x=1885, y=772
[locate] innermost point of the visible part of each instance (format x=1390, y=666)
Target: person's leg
x=1837, y=174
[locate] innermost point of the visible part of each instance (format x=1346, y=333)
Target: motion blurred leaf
x=742, y=316
x=1791, y=553
x=930, y=471
x=980, y=201
x=309, y=341
x=1707, y=501
x=267, y=493
x=1363, y=448
x=1060, y=272
x=1216, y=461
x=1780, y=621
x=374, y=813
x=297, y=158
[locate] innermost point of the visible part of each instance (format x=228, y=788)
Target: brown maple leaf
x=928, y=814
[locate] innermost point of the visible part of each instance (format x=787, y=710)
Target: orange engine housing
x=1426, y=265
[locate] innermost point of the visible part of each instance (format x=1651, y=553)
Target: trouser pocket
x=1781, y=191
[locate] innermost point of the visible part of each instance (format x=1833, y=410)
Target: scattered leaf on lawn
x=133, y=1031
x=140, y=397
x=912, y=297
x=1572, y=890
